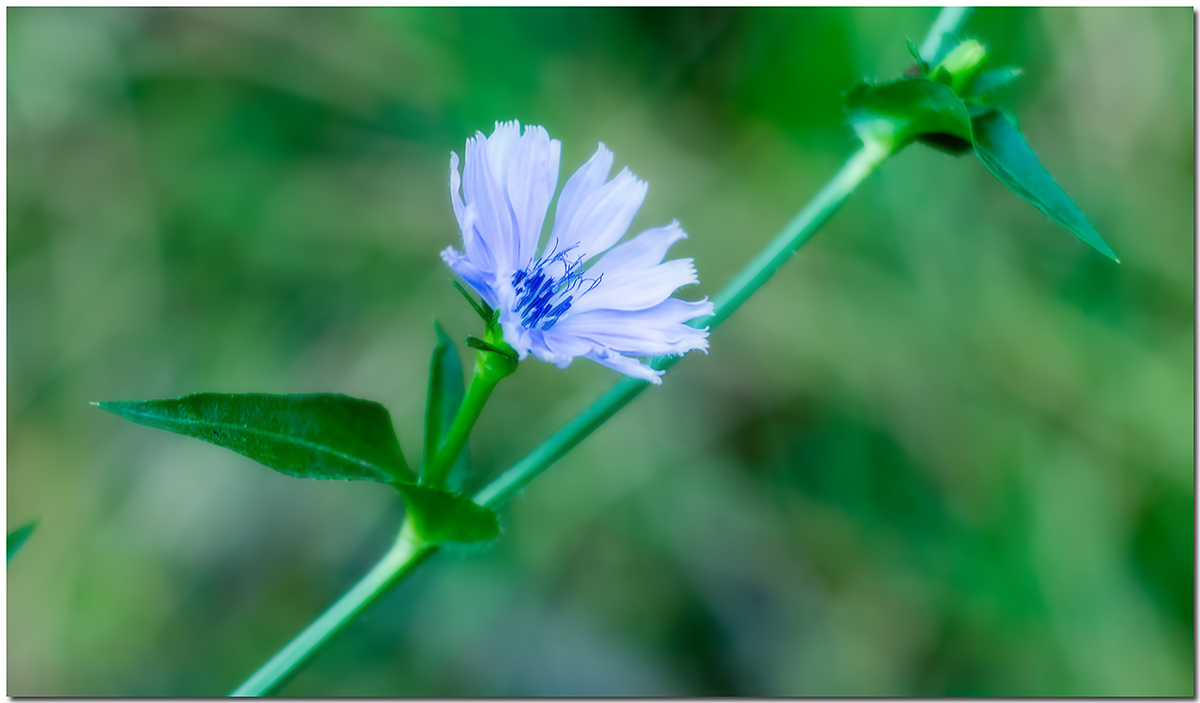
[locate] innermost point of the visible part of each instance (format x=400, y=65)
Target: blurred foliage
x=18, y=537
x=948, y=450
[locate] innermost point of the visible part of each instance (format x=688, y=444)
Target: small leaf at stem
x=901, y=111
x=441, y=516
x=922, y=64
x=979, y=110
x=481, y=307
x=446, y=393
x=989, y=82
x=477, y=343
x=16, y=539
x=318, y=435
x=1002, y=149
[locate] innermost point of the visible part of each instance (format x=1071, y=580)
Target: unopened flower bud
x=960, y=67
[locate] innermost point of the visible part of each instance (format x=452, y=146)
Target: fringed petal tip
x=626, y=365
x=450, y=256
x=702, y=308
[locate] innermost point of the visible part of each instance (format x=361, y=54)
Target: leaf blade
x=446, y=392
x=16, y=539
x=481, y=307
x=318, y=435
x=991, y=81
x=1001, y=148
x=922, y=64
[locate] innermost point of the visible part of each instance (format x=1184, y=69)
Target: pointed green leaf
x=1000, y=146
x=484, y=345
x=991, y=81
x=319, y=435
x=922, y=65
x=16, y=539
x=901, y=111
x=441, y=516
x=445, y=393
x=975, y=110
x=485, y=311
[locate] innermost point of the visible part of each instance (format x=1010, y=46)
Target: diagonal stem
x=947, y=23
x=405, y=555
x=409, y=552
x=482, y=385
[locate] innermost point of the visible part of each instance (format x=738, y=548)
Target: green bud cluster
x=960, y=67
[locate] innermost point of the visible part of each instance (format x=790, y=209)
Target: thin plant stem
x=405, y=555
x=409, y=551
x=482, y=385
x=947, y=23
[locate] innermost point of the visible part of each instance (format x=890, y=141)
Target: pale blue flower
x=565, y=300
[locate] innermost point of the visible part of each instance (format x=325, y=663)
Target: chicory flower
x=579, y=295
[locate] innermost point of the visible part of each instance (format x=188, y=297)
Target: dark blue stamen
x=543, y=298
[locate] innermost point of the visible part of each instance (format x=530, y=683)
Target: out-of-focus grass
x=948, y=450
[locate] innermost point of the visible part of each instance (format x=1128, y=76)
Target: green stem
x=409, y=552
x=405, y=555
x=495, y=362
x=482, y=385
x=948, y=22
x=797, y=232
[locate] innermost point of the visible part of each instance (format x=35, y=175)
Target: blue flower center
x=546, y=288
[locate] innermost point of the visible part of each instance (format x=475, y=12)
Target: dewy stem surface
x=409, y=552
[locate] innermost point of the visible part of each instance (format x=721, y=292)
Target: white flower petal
x=642, y=252
x=636, y=289
x=604, y=217
x=626, y=365
x=499, y=149
x=481, y=189
x=475, y=245
x=531, y=180
x=456, y=201
x=559, y=349
x=658, y=331
x=580, y=185
x=469, y=272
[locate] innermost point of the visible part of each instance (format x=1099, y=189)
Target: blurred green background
x=947, y=450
